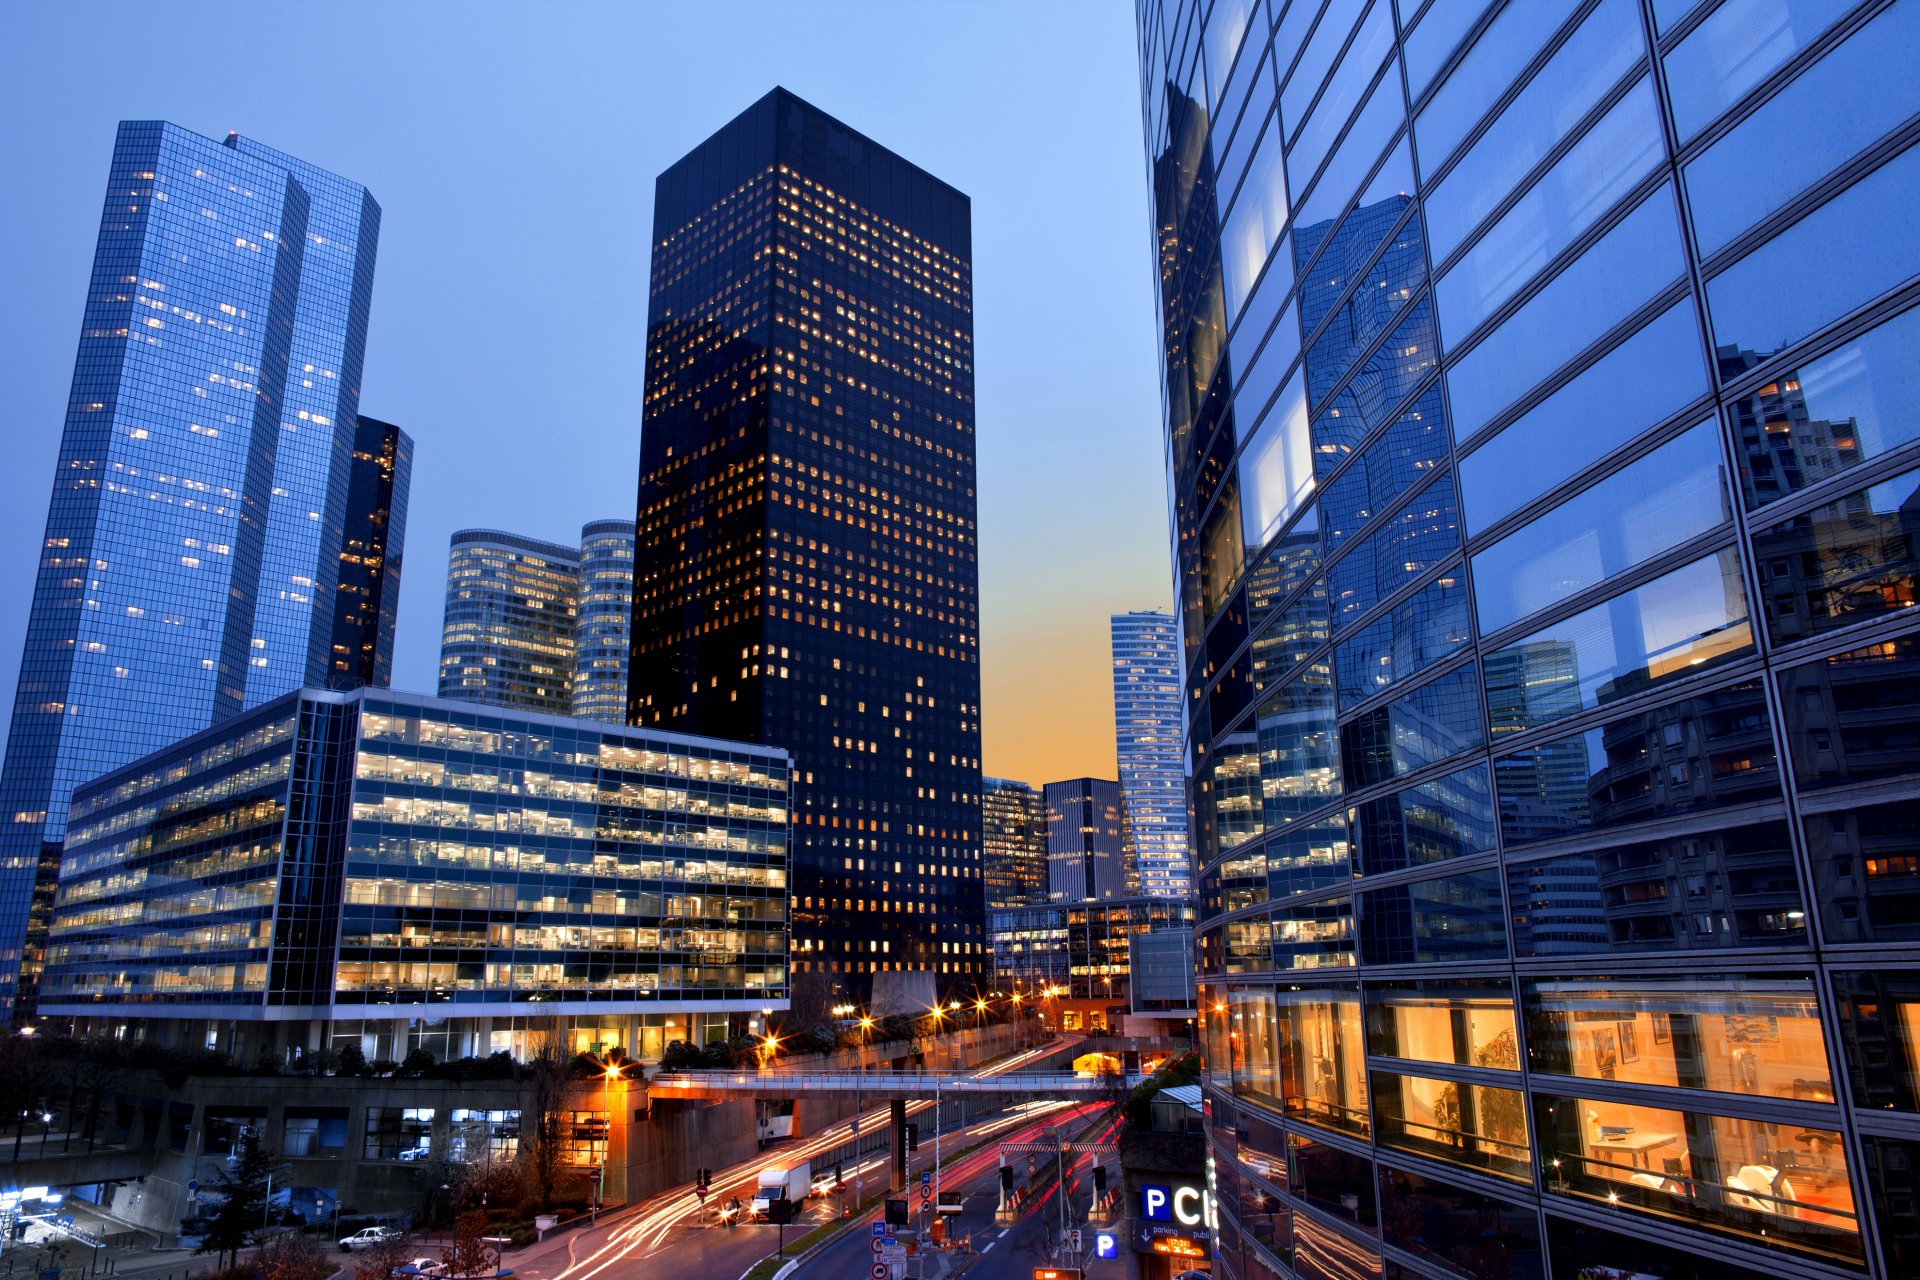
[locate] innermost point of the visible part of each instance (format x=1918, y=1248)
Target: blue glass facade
x=157, y=572
x=507, y=637
x=332, y=861
x=1147, y=732
x=371, y=556
x=1538, y=419
x=603, y=621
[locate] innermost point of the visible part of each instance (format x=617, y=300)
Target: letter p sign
x=1156, y=1203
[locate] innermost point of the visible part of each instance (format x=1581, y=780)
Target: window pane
x=1701, y=753
x=1227, y=25
x=1755, y=1035
x=1836, y=258
x=1630, y=264
x=1879, y=1015
x=1421, y=632
x=1292, y=639
x=1370, y=47
x=1468, y=1124
x=1503, y=49
x=1276, y=468
x=1730, y=1175
x=1570, y=197
x=1465, y=1021
x=1224, y=550
x=1593, y=59
x=1576, y=1246
x=1317, y=936
x=1452, y=918
x=1866, y=871
x=1643, y=380
x=1831, y=413
x=1378, y=121
x=1298, y=768
x=1735, y=49
x=1308, y=857
x=1325, y=1056
x=1837, y=108
x=1254, y=81
x=1648, y=506
x=1450, y=817
x=1253, y=225
x=1276, y=358
x=1849, y=561
x=1431, y=723
x=1467, y=1233
x=1298, y=88
x=1675, y=626
x=1335, y=1181
x=1233, y=789
x=1733, y=887
x=1428, y=45
x=1854, y=716
x=1390, y=465
x=1424, y=534
x=1393, y=370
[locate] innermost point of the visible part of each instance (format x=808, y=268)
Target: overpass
x=878, y=1085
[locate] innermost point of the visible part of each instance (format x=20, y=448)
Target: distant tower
x=368, y=601
x=1085, y=845
x=194, y=534
x=508, y=636
x=806, y=559
x=1013, y=843
x=1147, y=733
x=603, y=621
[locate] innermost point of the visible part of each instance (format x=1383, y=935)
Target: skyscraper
x=1013, y=843
x=368, y=599
x=508, y=635
x=193, y=541
x=1086, y=849
x=1147, y=731
x=1536, y=386
x=805, y=563
x=603, y=621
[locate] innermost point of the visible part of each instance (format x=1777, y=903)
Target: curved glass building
x=603, y=621
x=508, y=636
x=1544, y=482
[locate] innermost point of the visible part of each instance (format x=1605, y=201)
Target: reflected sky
x=513, y=151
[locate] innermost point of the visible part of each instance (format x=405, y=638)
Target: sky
x=513, y=150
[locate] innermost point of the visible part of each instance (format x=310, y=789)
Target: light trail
x=649, y=1228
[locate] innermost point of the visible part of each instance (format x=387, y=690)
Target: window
x=1737, y=47
x=1450, y=817
x=398, y=1133
x=1480, y=1126
x=1851, y=560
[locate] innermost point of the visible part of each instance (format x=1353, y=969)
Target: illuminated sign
x=1179, y=1248
x=1188, y=1205
x=1106, y=1245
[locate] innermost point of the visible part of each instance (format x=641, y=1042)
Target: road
x=667, y=1233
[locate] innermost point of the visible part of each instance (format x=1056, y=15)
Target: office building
x=1086, y=848
x=508, y=636
x=1075, y=960
x=1013, y=843
x=194, y=535
x=395, y=872
x=1543, y=491
x=1148, y=733
x=805, y=564
x=603, y=621
x=368, y=600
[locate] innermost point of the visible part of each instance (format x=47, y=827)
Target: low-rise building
x=1077, y=959
x=389, y=872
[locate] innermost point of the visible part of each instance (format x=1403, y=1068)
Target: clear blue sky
x=513, y=149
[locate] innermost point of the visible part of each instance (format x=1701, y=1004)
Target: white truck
x=791, y=1184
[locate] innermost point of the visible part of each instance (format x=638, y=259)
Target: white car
x=368, y=1237
x=421, y=1267
x=420, y=1152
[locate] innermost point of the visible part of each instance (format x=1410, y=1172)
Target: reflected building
x=1546, y=576
x=805, y=565
x=509, y=632
x=198, y=521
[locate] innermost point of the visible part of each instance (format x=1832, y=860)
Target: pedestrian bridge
x=878, y=1085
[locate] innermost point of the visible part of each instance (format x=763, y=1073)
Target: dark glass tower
x=805, y=570
x=194, y=533
x=370, y=557
x=1539, y=404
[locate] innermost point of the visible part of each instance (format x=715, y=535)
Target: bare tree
x=555, y=1089
x=293, y=1256
x=383, y=1259
x=468, y=1255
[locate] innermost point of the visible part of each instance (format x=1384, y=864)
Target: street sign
x=881, y=1271
x=926, y=1177
x=879, y=1229
x=193, y=1184
x=897, y=1213
x=877, y=1246
x=1106, y=1245
x=890, y=1243
x=1073, y=1240
x=1057, y=1273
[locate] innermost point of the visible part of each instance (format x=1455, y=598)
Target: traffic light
x=1006, y=1178
x=1100, y=1181
x=913, y=1137
x=839, y=1176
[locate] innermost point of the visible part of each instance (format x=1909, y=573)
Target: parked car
x=430, y=1267
x=368, y=1237
x=420, y=1152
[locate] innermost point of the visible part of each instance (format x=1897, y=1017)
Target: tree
x=241, y=1188
x=293, y=1256
x=469, y=1254
x=383, y=1259
x=555, y=1088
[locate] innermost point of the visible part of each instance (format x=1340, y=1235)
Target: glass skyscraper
x=1147, y=732
x=375, y=533
x=1013, y=843
x=194, y=535
x=1538, y=384
x=1087, y=855
x=507, y=638
x=603, y=621
x=805, y=571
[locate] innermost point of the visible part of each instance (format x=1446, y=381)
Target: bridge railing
x=885, y=1083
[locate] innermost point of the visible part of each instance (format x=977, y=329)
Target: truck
x=781, y=1190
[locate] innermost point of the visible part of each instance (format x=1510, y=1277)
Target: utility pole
x=1060, y=1167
